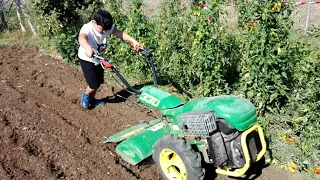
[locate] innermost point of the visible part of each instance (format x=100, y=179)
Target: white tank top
x=96, y=40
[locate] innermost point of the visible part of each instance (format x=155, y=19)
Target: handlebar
x=140, y=50
x=146, y=52
x=137, y=48
x=105, y=63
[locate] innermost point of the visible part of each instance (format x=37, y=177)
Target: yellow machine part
x=172, y=165
x=243, y=170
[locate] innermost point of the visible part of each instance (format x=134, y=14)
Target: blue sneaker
x=86, y=101
x=98, y=102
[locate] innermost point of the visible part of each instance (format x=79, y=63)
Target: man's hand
x=89, y=52
x=135, y=44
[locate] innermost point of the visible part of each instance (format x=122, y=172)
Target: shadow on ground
x=123, y=95
x=253, y=172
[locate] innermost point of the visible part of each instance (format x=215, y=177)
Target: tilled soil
x=45, y=134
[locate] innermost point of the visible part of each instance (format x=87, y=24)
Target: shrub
x=196, y=53
x=62, y=20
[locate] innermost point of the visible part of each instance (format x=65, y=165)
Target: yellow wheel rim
x=172, y=165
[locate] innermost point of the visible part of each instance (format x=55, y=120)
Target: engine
x=224, y=146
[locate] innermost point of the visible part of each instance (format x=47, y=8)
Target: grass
x=18, y=37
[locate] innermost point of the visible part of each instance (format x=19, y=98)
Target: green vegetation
x=197, y=54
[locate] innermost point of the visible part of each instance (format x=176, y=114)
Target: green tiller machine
x=220, y=130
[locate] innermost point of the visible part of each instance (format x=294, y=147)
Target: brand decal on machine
x=156, y=127
x=150, y=99
x=128, y=153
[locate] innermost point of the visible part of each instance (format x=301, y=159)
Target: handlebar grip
x=104, y=62
x=106, y=65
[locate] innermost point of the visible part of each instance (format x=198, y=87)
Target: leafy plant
x=197, y=54
x=62, y=20
x=132, y=21
x=266, y=63
x=67, y=46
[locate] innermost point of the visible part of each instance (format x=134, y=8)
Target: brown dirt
x=45, y=134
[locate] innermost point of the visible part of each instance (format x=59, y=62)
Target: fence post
x=308, y=17
x=3, y=21
x=28, y=20
x=19, y=11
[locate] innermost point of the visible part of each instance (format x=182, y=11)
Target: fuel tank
x=238, y=112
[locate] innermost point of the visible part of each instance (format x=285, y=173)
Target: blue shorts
x=93, y=74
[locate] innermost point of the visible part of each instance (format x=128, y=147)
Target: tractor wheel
x=176, y=160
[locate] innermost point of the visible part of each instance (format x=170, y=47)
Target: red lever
x=106, y=65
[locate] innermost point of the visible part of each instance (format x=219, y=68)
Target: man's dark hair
x=104, y=19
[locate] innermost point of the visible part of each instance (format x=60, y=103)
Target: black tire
x=190, y=158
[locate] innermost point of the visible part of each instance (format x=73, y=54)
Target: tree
x=3, y=21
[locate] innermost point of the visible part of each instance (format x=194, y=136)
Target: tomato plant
x=199, y=55
x=62, y=20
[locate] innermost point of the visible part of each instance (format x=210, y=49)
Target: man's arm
x=83, y=41
x=126, y=37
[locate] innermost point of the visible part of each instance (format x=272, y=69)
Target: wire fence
x=306, y=16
